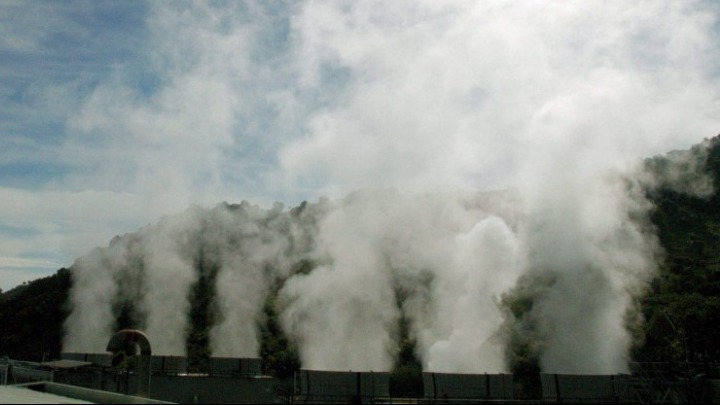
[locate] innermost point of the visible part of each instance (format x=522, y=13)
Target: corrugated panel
x=328, y=383
x=468, y=386
x=169, y=364
x=586, y=387
x=374, y=384
x=429, y=385
x=100, y=359
x=500, y=386
x=549, y=387
x=341, y=386
x=73, y=356
x=235, y=366
x=460, y=386
x=581, y=388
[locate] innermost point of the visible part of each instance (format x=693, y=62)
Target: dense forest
x=681, y=308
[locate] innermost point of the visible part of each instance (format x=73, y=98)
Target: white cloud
x=49, y=229
x=17, y=270
x=448, y=96
x=13, y=277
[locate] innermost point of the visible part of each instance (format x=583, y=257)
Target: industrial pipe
x=128, y=340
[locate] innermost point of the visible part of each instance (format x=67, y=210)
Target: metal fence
x=467, y=386
x=169, y=364
x=342, y=386
x=235, y=366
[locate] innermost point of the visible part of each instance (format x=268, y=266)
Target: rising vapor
x=413, y=103
x=375, y=255
x=346, y=271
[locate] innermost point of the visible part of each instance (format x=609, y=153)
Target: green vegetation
x=279, y=355
x=682, y=308
x=32, y=316
x=406, y=376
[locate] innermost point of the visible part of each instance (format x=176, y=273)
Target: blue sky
x=117, y=113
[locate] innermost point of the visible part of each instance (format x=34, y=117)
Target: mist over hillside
x=465, y=282
x=483, y=281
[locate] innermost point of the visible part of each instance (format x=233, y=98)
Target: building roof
x=66, y=364
x=21, y=395
x=45, y=392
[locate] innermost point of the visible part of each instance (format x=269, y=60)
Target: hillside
x=680, y=309
x=687, y=291
x=32, y=316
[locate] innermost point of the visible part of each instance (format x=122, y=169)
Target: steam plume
x=550, y=103
x=581, y=254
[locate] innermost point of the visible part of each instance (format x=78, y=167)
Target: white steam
x=443, y=262
x=290, y=101
x=91, y=322
x=600, y=254
x=168, y=261
x=254, y=249
x=487, y=262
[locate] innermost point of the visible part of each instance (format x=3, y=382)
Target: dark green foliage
x=279, y=355
x=32, y=316
x=202, y=315
x=125, y=318
x=687, y=289
x=524, y=341
x=406, y=375
x=303, y=267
